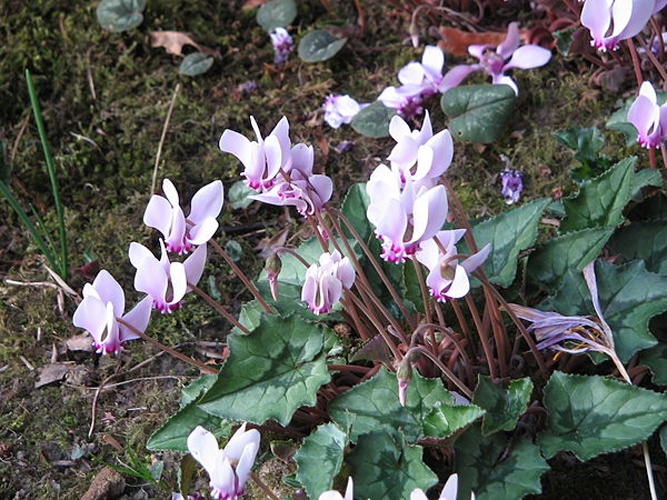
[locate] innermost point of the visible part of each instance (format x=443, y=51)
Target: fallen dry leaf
x=108, y=484
x=454, y=41
x=80, y=342
x=173, y=42
x=53, y=372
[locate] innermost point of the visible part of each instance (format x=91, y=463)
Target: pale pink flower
x=326, y=280
x=340, y=109
x=611, y=21
x=449, y=491
x=649, y=118
x=334, y=495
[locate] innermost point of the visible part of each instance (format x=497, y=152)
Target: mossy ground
x=105, y=98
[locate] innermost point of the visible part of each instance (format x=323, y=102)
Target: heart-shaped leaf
x=120, y=15
x=319, y=45
x=276, y=14
x=195, y=64
x=478, y=113
x=373, y=120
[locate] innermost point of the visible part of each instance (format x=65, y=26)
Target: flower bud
x=403, y=374
x=273, y=267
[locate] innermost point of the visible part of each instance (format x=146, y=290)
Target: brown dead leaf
x=253, y=4
x=108, y=484
x=173, y=42
x=81, y=342
x=53, y=372
x=456, y=42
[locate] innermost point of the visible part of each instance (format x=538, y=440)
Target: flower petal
x=207, y=202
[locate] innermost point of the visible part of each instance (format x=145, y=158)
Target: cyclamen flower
x=611, y=21
x=334, y=495
x=324, y=283
x=648, y=117
x=404, y=212
x=229, y=468
x=449, y=491
x=103, y=303
x=340, y=109
x=512, y=185
x=182, y=234
x=164, y=281
x=432, y=154
x=283, y=45
x=447, y=278
x=508, y=55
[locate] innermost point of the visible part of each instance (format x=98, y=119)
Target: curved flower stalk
x=430, y=155
x=334, y=495
x=496, y=63
x=449, y=491
x=324, y=283
x=649, y=118
x=404, y=212
x=103, y=303
x=164, y=281
x=264, y=158
x=611, y=21
x=447, y=278
x=418, y=82
x=340, y=109
x=229, y=468
x=181, y=233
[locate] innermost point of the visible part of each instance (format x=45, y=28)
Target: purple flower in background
x=103, y=303
x=340, y=109
x=506, y=56
x=182, y=234
x=648, y=117
x=283, y=45
x=324, y=283
x=334, y=495
x=229, y=468
x=611, y=21
x=512, y=185
x=164, y=281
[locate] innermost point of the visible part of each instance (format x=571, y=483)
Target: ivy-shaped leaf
x=120, y=15
x=276, y=14
x=195, y=64
x=373, y=120
x=320, y=458
x=591, y=415
x=269, y=373
x=508, y=233
x=354, y=209
x=388, y=468
x=478, y=113
x=645, y=240
x=319, y=45
x=495, y=468
x=656, y=359
x=373, y=405
x=446, y=419
x=504, y=403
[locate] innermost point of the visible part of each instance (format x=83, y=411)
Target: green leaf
x=600, y=202
x=656, y=359
x=390, y=468
x=5, y=166
x=591, y=415
x=495, y=468
x=276, y=14
x=446, y=419
x=642, y=240
x=269, y=373
x=354, y=209
x=504, y=403
x=319, y=45
x=549, y=264
x=120, y=15
x=195, y=64
x=586, y=142
x=320, y=458
x=508, y=233
x=373, y=405
x=478, y=113
x=238, y=195
x=373, y=120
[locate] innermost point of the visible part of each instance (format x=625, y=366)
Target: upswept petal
x=207, y=202
x=505, y=80
x=641, y=115
x=596, y=16
x=460, y=285
x=411, y=74
x=110, y=291
x=138, y=253
x=203, y=447
x=151, y=279
x=158, y=214
x=456, y=75
x=203, y=231
x=245, y=462
x=511, y=42
x=429, y=213
x=90, y=315
x=238, y=145
x=170, y=192
x=476, y=259
x=451, y=488
x=194, y=265
x=398, y=128
x=239, y=440
x=443, y=152
x=138, y=317
x=630, y=17
x=433, y=59
x=303, y=158
x=528, y=57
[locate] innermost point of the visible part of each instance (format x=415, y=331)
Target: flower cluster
x=282, y=174
x=228, y=468
x=340, y=109
x=325, y=282
x=283, y=45
x=164, y=282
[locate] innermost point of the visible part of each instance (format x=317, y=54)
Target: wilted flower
x=611, y=21
x=102, y=305
x=340, y=109
x=508, y=55
x=512, y=185
x=649, y=118
x=324, y=283
x=283, y=45
x=447, y=278
x=449, y=491
x=334, y=495
x=404, y=212
x=182, y=234
x=229, y=468
x=164, y=281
